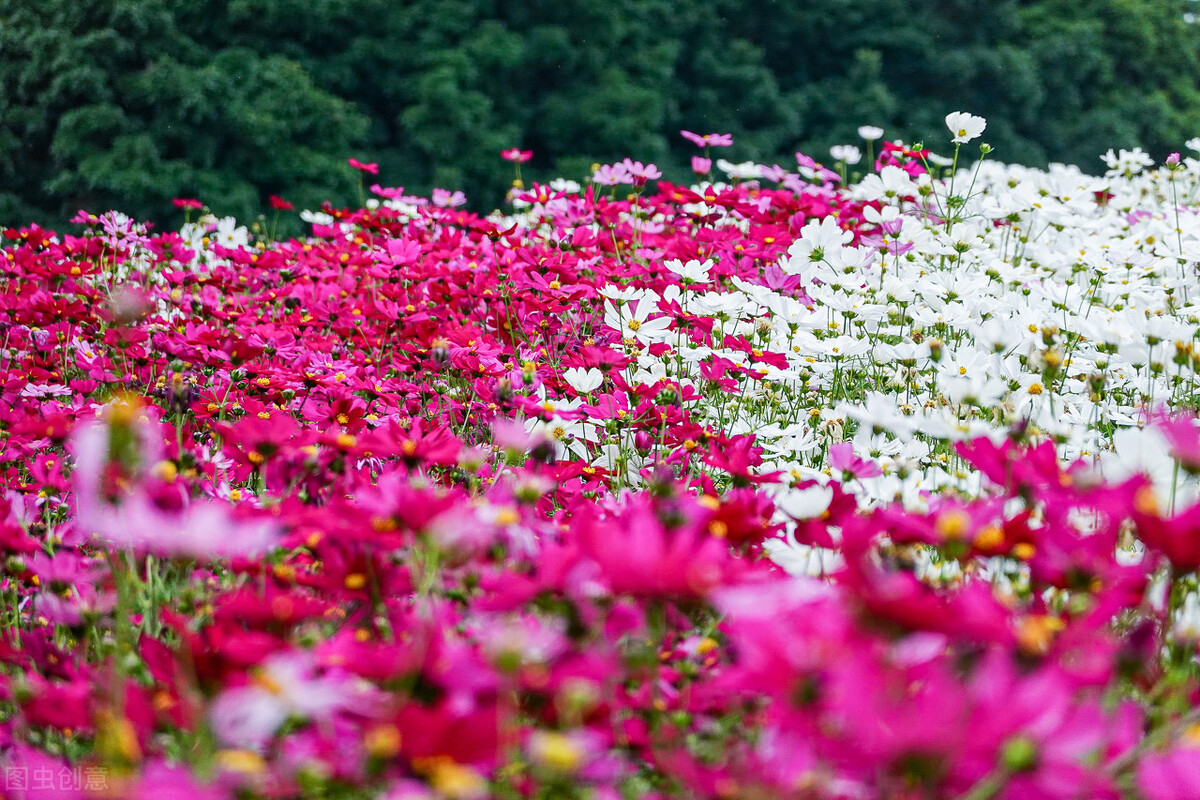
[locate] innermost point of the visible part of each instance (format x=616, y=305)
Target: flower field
x=789, y=483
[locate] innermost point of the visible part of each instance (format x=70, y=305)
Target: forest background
x=127, y=104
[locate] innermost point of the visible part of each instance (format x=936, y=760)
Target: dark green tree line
x=128, y=103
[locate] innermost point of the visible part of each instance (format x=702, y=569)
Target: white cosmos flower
x=942, y=338
x=801, y=559
x=847, y=153
x=316, y=217
x=715, y=303
x=887, y=217
x=616, y=293
x=693, y=270
x=965, y=127
x=891, y=182
x=1126, y=162
x=231, y=235
x=870, y=132
x=742, y=171
x=632, y=321
x=285, y=685
x=818, y=238
x=584, y=381
x=566, y=436
x=805, y=503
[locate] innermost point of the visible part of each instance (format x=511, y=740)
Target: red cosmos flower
x=493, y=231
x=459, y=735
x=415, y=445
x=604, y=359
x=262, y=610
x=13, y=538
x=1177, y=537
x=778, y=280
x=377, y=661
x=516, y=155
x=359, y=165
x=59, y=705
x=254, y=439
x=279, y=204
x=47, y=423
x=345, y=412
x=743, y=516
x=715, y=368
x=187, y=202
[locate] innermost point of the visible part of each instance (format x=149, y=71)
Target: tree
x=128, y=103
x=112, y=105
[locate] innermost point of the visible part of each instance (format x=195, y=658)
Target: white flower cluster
x=1051, y=302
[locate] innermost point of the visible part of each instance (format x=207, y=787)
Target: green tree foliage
x=115, y=104
x=128, y=103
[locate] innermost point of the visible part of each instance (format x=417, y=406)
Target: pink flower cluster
x=295, y=519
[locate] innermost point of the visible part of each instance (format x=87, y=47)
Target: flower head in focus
x=634, y=324
x=693, y=270
x=965, y=127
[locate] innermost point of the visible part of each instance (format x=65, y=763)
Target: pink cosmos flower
x=843, y=460
x=1182, y=435
x=708, y=139
x=701, y=165
x=445, y=199
x=612, y=175
x=1173, y=775
x=640, y=173
x=121, y=231
x=517, y=155
x=160, y=780
x=391, y=193
x=631, y=552
x=141, y=521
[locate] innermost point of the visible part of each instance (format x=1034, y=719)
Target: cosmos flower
x=372, y=168
x=709, y=139
x=632, y=321
x=517, y=155
x=846, y=153
x=964, y=127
